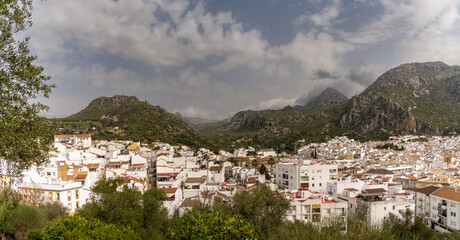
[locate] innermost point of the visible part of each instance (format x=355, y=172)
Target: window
x=69, y=196
x=320, y=184
x=57, y=197
x=77, y=195
x=69, y=207
x=312, y=185
x=77, y=205
x=394, y=207
x=385, y=208
x=50, y=196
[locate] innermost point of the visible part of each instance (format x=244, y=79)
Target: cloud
x=316, y=50
x=179, y=54
x=192, y=111
x=98, y=76
x=364, y=75
x=323, y=19
x=406, y=19
x=327, y=15
x=320, y=74
x=159, y=33
x=274, y=103
x=191, y=78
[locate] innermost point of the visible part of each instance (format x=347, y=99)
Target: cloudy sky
x=212, y=58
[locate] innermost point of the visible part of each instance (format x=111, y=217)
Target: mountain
x=414, y=98
x=125, y=117
x=430, y=91
x=196, y=120
x=376, y=113
x=328, y=98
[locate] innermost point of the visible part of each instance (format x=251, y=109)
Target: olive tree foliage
x=25, y=136
x=261, y=207
x=124, y=205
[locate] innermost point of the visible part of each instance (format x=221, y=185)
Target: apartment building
x=69, y=194
x=445, y=209
x=307, y=206
x=375, y=206
x=305, y=175
x=423, y=203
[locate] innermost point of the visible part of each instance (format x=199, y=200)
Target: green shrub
x=205, y=223
x=81, y=228
x=35, y=234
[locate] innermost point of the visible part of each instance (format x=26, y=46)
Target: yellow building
x=433, y=181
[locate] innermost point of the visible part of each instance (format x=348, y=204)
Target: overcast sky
x=214, y=58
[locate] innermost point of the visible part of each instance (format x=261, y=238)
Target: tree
x=261, y=207
x=81, y=228
x=263, y=169
x=206, y=223
x=255, y=163
x=25, y=218
x=25, y=135
x=144, y=213
x=53, y=210
x=9, y=201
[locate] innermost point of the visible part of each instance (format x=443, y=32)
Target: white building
x=81, y=140
x=69, y=194
x=423, y=203
x=266, y=152
x=310, y=207
x=375, y=206
x=304, y=175
x=445, y=209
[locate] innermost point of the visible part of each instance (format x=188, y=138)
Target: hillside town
x=322, y=181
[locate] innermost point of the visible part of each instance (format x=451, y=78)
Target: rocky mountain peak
x=115, y=101
x=327, y=98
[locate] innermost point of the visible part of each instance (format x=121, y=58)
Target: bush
x=262, y=208
x=205, y=223
x=81, y=228
x=53, y=210
x=36, y=234
x=142, y=212
x=25, y=218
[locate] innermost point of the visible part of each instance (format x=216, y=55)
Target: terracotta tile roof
x=81, y=176
x=374, y=190
x=168, y=173
x=195, y=180
x=215, y=168
x=168, y=190
x=379, y=171
x=251, y=179
x=427, y=190
x=63, y=136
x=92, y=165
x=411, y=177
x=188, y=202
x=83, y=135
x=448, y=193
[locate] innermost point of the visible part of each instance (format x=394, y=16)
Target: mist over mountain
x=327, y=98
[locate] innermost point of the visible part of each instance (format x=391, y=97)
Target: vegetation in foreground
x=130, y=214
